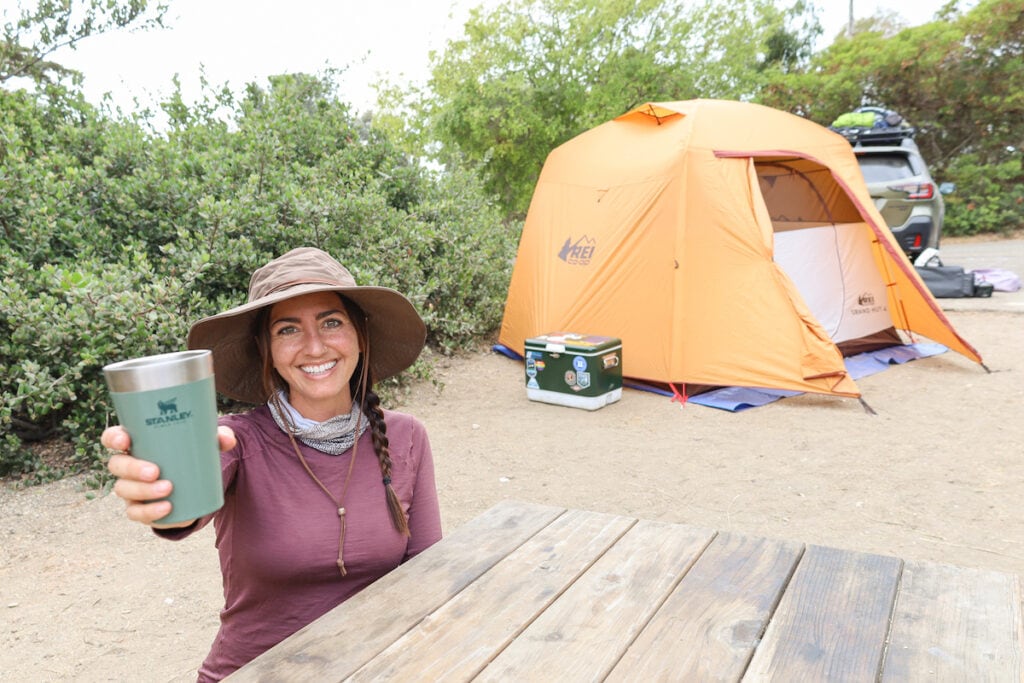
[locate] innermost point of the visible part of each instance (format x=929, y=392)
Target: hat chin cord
x=339, y=501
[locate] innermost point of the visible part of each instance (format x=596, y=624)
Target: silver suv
x=897, y=177
x=904, y=192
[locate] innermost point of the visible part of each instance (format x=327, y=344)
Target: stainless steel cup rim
x=159, y=371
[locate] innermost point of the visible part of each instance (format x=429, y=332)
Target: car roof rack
x=874, y=137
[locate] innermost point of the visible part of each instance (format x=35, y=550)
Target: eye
x=333, y=323
x=285, y=330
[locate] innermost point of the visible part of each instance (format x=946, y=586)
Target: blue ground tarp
x=735, y=399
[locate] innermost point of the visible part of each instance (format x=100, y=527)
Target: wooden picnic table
x=529, y=592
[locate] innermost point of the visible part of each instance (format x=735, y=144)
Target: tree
x=530, y=74
x=32, y=35
x=958, y=80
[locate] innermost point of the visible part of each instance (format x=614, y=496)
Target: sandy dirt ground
x=936, y=474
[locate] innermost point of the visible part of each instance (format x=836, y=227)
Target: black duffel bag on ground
x=952, y=282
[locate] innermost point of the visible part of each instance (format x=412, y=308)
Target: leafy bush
x=989, y=197
x=118, y=237
x=65, y=322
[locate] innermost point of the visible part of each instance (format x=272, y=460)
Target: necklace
x=339, y=500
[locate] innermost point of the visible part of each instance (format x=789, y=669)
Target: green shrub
x=63, y=323
x=989, y=197
x=119, y=237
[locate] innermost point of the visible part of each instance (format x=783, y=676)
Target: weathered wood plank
x=585, y=631
x=344, y=639
x=832, y=621
x=708, y=628
x=458, y=640
x=955, y=624
x=541, y=594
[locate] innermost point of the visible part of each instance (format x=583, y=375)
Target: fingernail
x=149, y=472
x=162, y=488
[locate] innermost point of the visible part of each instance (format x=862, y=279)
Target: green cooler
x=575, y=370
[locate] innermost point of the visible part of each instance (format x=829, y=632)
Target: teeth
x=318, y=369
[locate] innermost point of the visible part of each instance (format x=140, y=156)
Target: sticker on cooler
x=580, y=379
x=531, y=372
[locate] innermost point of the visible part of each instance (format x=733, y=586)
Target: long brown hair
x=360, y=388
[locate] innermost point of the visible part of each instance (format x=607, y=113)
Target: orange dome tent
x=725, y=243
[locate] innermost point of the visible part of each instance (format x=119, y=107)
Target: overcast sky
x=239, y=41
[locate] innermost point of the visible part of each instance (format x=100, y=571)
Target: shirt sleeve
x=424, y=510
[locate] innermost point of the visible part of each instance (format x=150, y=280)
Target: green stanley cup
x=168, y=405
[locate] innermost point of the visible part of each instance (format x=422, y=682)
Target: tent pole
x=867, y=409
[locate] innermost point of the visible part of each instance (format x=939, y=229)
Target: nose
x=314, y=343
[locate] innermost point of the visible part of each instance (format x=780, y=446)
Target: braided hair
x=361, y=390
x=370, y=405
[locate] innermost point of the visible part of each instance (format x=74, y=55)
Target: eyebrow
x=319, y=316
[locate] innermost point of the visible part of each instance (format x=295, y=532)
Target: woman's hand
x=138, y=481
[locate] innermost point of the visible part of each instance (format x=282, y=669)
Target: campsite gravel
x=936, y=474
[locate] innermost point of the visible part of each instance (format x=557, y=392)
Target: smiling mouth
x=318, y=369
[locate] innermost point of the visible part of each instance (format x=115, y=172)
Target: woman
x=324, y=491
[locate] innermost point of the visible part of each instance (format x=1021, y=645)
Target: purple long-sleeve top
x=277, y=534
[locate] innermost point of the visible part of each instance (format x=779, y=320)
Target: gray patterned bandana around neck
x=334, y=436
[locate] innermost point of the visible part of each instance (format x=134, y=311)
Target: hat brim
x=395, y=330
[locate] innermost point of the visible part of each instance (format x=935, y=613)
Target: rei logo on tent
x=578, y=254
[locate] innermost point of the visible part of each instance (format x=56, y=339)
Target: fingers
x=124, y=466
x=116, y=438
x=226, y=438
x=138, y=481
x=133, y=490
x=147, y=513
x=141, y=504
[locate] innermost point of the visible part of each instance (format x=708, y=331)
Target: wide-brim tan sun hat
x=396, y=331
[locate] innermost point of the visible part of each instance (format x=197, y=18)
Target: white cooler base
x=573, y=401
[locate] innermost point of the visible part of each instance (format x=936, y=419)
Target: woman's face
x=314, y=347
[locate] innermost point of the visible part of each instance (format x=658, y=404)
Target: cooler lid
x=560, y=342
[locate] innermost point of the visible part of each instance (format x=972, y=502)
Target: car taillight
x=915, y=190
